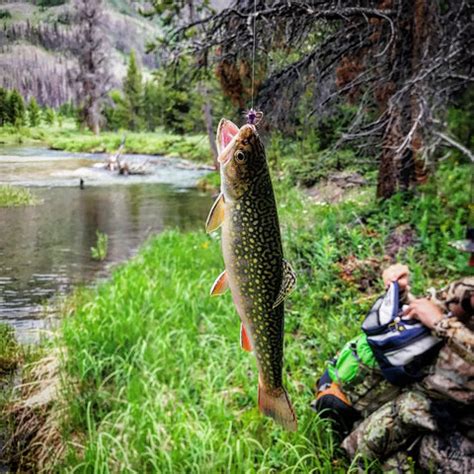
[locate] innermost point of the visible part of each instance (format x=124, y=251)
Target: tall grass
x=99, y=252
x=155, y=380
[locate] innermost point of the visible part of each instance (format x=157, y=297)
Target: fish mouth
x=227, y=134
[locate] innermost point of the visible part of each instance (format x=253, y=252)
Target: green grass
x=69, y=138
x=155, y=380
x=9, y=349
x=159, y=143
x=15, y=196
x=99, y=252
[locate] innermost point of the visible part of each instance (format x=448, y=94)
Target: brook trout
x=255, y=271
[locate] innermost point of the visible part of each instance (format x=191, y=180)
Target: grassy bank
x=15, y=196
x=155, y=380
x=10, y=357
x=69, y=138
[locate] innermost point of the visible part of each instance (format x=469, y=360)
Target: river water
x=45, y=249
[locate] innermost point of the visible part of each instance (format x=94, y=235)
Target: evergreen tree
x=133, y=91
x=114, y=111
x=34, y=113
x=152, y=106
x=49, y=115
x=16, y=108
x=3, y=106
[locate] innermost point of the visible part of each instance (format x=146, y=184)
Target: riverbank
x=69, y=138
x=10, y=358
x=153, y=377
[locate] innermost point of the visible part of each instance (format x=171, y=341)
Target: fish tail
x=277, y=405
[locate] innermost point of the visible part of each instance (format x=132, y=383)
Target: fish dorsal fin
x=245, y=343
x=220, y=285
x=288, y=283
x=216, y=214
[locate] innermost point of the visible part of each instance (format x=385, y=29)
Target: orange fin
x=220, y=285
x=245, y=343
x=216, y=214
x=277, y=405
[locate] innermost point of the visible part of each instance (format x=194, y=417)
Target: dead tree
x=399, y=61
x=93, y=50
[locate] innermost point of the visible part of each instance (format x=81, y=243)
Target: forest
x=115, y=357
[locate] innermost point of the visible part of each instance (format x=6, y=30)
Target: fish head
x=241, y=157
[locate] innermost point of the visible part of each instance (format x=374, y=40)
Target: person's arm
x=445, y=326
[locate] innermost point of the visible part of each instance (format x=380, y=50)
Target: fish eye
x=239, y=156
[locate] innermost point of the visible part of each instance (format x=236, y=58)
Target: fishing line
x=253, y=49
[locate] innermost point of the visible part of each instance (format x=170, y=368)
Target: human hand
x=399, y=273
x=425, y=311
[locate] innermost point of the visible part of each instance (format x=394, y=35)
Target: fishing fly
x=254, y=117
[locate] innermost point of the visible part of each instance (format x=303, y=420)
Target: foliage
x=34, y=112
x=50, y=3
x=152, y=106
x=49, y=115
x=14, y=196
x=193, y=147
x=9, y=349
x=460, y=119
x=376, y=56
x=3, y=106
x=133, y=95
x=15, y=109
x=160, y=381
x=99, y=252
x=5, y=15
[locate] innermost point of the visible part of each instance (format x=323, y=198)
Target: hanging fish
x=255, y=271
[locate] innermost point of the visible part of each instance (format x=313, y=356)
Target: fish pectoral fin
x=220, y=285
x=288, y=283
x=245, y=343
x=216, y=214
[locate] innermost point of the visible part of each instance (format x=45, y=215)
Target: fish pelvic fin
x=277, y=405
x=288, y=284
x=245, y=343
x=220, y=285
x=216, y=214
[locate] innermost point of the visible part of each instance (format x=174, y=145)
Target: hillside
x=39, y=40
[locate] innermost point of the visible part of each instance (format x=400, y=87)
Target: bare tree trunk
x=387, y=176
x=421, y=25
x=207, y=113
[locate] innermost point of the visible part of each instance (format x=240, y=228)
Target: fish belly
x=253, y=260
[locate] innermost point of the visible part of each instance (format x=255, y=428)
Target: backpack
x=402, y=347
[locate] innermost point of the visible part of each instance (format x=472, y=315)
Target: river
x=45, y=250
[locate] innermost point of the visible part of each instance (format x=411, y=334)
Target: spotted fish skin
x=253, y=257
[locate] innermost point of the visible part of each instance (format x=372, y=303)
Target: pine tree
x=34, y=112
x=49, y=115
x=152, y=106
x=133, y=91
x=3, y=106
x=16, y=109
